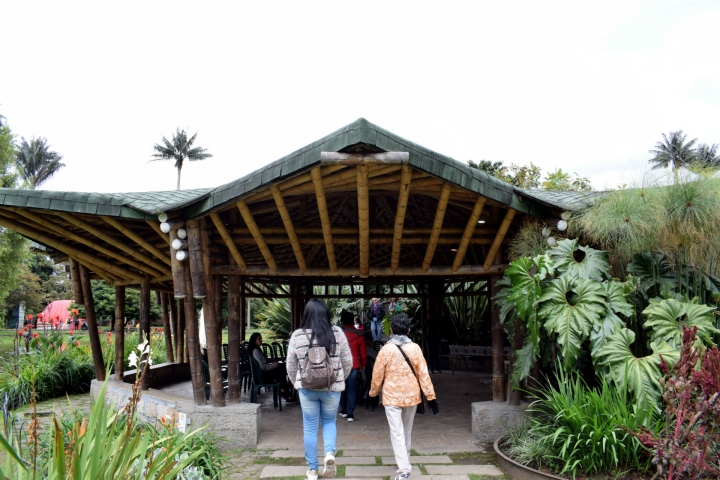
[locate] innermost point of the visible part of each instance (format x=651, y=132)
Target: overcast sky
x=584, y=86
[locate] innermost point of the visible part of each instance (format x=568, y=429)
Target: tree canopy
x=36, y=163
x=180, y=149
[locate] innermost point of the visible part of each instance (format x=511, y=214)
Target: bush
x=159, y=351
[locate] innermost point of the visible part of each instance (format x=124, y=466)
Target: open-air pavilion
x=360, y=207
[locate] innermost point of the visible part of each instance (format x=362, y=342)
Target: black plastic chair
x=226, y=357
x=268, y=351
x=259, y=383
x=277, y=351
x=245, y=371
x=285, y=345
x=206, y=376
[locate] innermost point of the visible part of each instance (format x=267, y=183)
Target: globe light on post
x=162, y=217
x=562, y=225
x=177, y=244
x=551, y=241
x=182, y=233
x=546, y=232
x=181, y=255
x=164, y=227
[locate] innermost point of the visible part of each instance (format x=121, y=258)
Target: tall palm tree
x=707, y=155
x=36, y=163
x=673, y=152
x=179, y=150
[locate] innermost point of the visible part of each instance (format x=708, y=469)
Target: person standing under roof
x=356, y=340
x=376, y=313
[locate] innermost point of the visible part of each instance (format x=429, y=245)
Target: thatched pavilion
x=360, y=207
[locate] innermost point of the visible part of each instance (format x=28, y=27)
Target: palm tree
x=36, y=163
x=673, y=152
x=179, y=149
x=707, y=155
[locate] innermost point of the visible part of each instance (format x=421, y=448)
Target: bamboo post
x=255, y=232
x=77, y=285
x=324, y=217
x=119, y=333
x=137, y=239
x=498, y=347
x=515, y=395
x=174, y=325
x=228, y=240
x=285, y=215
x=243, y=311
x=199, y=282
x=167, y=325
x=193, y=343
x=178, y=270
x=363, y=218
x=468, y=233
x=218, y=292
x=234, y=315
x=437, y=226
x=145, y=321
x=180, y=350
x=403, y=196
x=212, y=322
x=156, y=226
x=495, y=247
x=97, y=354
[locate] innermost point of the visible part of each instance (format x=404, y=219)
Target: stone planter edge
x=518, y=471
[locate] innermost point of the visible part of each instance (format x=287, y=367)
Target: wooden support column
x=255, y=232
x=228, y=241
x=212, y=321
x=145, y=320
x=199, y=282
x=180, y=350
x=234, y=315
x=363, y=218
x=178, y=270
x=77, y=285
x=495, y=247
x=193, y=343
x=403, y=196
x=119, y=333
x=437, y=226
x=498, y=346
x=469, y=230
x=173, y=325
x=515, y=396
x=324, y=218
x=289, y=227
x=167, y=325
x=243, y=312
x=95, y=346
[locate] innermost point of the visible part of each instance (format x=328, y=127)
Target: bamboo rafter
x=228, y=241
x=469, y=230
x=294, y=186
x=285, y=215
x=156, y=226
x=324, y=217
x=255, y=231
x=509, y=215
x=259, y=271
x=73, y=220
x=137, y=239
x=363, y=218
x=403, y=196
x=437, y=226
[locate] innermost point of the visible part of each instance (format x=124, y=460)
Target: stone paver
x=355, y=460
x=378, y=471
x=444, y=477
x=464, y=469
x=420, y=459
x=271, y=471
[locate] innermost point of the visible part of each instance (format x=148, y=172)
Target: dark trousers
x=278, y=375
x=348, y=398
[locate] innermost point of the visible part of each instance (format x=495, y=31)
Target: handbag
x=423, y=400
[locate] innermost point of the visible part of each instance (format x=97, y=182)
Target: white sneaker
x=329, y=470
x=312, y=474
x=342, y=414
x=402, y=476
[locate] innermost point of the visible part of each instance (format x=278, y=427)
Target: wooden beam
x=228, y=241
x=285, y=215
x=72, y=219
x=75, y=277
x=437, y=226
x=213, y=327
x=324, y=217
x=234, y=316
x=137, y=239
x=178, y=270
x=469, y=230
x=196, y=259
x=88, y=242
x=258, y=271
x=174, y=324
x=67, y=249
x=255, y=231
x=498, y=345
x=156, y=226
x=145, y=314
x=495, y=247
x=301, y=184
x=119, y=333
x=403, y=196
x=355, y=240
x=180, y=351
x=95, y=346
x=355, y=231
x=384, y=158
x=193, y=342
x=363, y=217
x=167, y=325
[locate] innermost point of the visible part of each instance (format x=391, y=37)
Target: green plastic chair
x=259, y=383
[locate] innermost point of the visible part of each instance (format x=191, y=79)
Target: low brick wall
x=237, y=424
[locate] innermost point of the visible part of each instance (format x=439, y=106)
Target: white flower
x=149, y=360
x=133, y=359
x=143, y=347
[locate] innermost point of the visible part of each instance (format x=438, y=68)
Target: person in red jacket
x=356, y=340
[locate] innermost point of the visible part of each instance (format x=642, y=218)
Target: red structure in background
x=56, y=316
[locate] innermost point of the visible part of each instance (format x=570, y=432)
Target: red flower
x=41, y=315
x=77, y=343
x=29, y=316
x=75, y=312
x=108, y=336
x=35, y=335
x=21, y=332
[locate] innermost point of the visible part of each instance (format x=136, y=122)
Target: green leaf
x=667, y=317
x=639, y=375
x=525, y=276
x=525, y=360
x=574, y=261
x=570, y=309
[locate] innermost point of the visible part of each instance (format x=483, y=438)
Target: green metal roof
x=562, y=200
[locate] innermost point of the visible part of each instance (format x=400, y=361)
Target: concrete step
x=490, y=470
x=420, y=459
x=377, y=471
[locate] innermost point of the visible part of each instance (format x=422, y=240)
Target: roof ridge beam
x=385, y=158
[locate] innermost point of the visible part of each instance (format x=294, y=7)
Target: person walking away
x=319, y=405
x=376, y=312
x=356, y=340
x=271, y=372
x=401, y=379
x=433, y=343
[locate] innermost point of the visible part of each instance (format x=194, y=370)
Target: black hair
x=316, y=318
x=400, y=324
x=347, y=318
x=253, y=343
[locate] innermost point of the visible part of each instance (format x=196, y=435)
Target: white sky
x=584, y=86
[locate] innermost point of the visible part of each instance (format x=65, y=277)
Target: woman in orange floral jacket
x=401, y=388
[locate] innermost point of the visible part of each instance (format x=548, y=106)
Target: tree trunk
x=95, y=346
x=193, y=343
x=234, y=316
x=167, y=329
x=119, y=333
x=179, y=170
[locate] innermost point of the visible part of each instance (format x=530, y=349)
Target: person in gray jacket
x=319, y=405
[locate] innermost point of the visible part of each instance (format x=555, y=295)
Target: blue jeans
x=318, y=405
x=376, y=329
x=348, y=398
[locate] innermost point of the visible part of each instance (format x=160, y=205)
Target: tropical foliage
x=674, y=151
x=35, y=163
x=179, y=149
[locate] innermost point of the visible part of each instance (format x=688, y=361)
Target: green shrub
x=159, y=351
